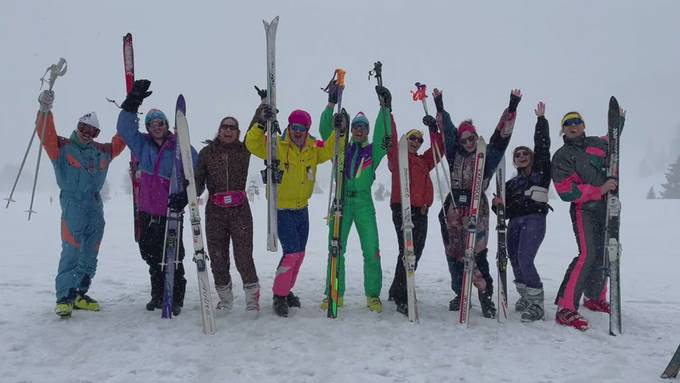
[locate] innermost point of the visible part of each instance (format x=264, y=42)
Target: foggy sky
x=572, y=55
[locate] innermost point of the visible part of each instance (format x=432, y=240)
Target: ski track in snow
x=126, y=343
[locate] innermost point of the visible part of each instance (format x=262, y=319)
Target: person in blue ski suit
x=80, y=165
x=155, y=151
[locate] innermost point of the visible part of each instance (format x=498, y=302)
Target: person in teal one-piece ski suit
x=361, y=160
x=80, y=165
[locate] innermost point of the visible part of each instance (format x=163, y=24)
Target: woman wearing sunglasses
x=526, y=206
x=299, y=154
x=422, y=196
x=461, y=146
x=223, y=169
x=578, y=171
x=80, y=165
x=361, y=160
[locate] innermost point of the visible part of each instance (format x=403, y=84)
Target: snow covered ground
x=126, y=343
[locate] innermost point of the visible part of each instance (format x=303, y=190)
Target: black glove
x=333, y=91
x=140, y=91
x=514, y=101
x=337, y=121
x=384, y=96
x=431, y=123
x=439, y=103
x=178, y=201
x=264, y=114
x=261, y=92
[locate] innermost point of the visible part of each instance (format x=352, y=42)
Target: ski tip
x=128, y=36
x=613, y=103
x=181, y=104
x=272, y=23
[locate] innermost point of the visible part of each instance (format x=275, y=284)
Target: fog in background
x=573, y=55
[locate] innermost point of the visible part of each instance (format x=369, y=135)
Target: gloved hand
x=515, y=97
x=431, y=123
x=333, y=91
x=264, y=114
x=337, y=121
x=261, y=92
x=46, y=99
x=384, y=96
x=178, y=201
x=140, y=91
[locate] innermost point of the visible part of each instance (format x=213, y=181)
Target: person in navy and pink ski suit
x=578, y=172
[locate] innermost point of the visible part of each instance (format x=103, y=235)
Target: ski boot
x=600, y=306
x=84, y=302
x=252, y=292
x=486, y=301
x=154, y=303
x=324, y=303
x=176, y=309
x=571, y=318
x=226, y=297
x=292, y=300
x=64, y=308
x=374, y=304
x=535, y=310
x=454, y=304
x=281, y=306
x=522, y=303
x=402, y=308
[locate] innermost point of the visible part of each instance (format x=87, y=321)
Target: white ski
x=409, y=257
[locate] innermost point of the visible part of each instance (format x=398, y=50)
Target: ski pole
x=54, y=70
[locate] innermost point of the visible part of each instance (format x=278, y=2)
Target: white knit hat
x=90, y=119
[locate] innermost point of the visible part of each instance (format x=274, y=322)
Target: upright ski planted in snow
x=471, y=238
x=502, y=252
x=338, y=173
x=272, y=175
x=173, y=226
x=409, y=257
x=129, y=64
x=612, y=245
x=200, y=257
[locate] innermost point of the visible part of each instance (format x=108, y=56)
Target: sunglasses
x=521, y=153
x=88, y=131
x=298, y=128
x=229, y=127
x=156, y=124
x=573, y=122
x=360, y=126
x=470, y=139
x=416, y=139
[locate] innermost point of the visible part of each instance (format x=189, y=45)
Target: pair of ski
x=182, y=171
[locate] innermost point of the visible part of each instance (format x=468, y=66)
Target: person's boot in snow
x=281, y=306
x=600, y=306
x=374, y=304
x=293, y=300
x=154, y=303
x=64, y=308
x=402, y=308
x=535, y=310
x=486, y=301
x=252, y=292
x=571, y=318
x=454, y=304
x=226, y=296
x=84, y=302
x=176, y=309
x=324, y=303
x=522, y=303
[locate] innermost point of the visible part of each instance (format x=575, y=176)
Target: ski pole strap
x=229, y=198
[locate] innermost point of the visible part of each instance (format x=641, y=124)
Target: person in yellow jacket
x=299, y=153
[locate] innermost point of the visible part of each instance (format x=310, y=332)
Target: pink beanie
x=300, y=117
x=466, y=126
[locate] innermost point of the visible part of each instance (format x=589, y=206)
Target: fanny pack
x=229, y=199
x=537, y=193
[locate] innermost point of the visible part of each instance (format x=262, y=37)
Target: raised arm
x=542, y=144
x=501, y=137
x=382, y=131
x=128, y=123
x=47, y=135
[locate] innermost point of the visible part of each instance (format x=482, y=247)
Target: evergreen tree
x=651, y=194
x=671, y=189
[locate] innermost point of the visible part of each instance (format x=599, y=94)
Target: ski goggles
x=469, y=140
x=573, y=122
x=415, y=138
x=156, y=124
x=87, y=130
x=360, y=126
x=298, y=128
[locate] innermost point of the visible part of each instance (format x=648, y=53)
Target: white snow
x=126, y=343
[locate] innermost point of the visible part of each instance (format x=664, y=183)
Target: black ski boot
x=454, y=304
x=154, y=303
x=281, y=306
x=402, y=308
x=292, y=300
x=488, y=308
x=176, y=309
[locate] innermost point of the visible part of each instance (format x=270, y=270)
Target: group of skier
x=221, y=167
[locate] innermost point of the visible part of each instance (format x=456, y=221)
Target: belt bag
x=229, y=199
x=537, y=193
